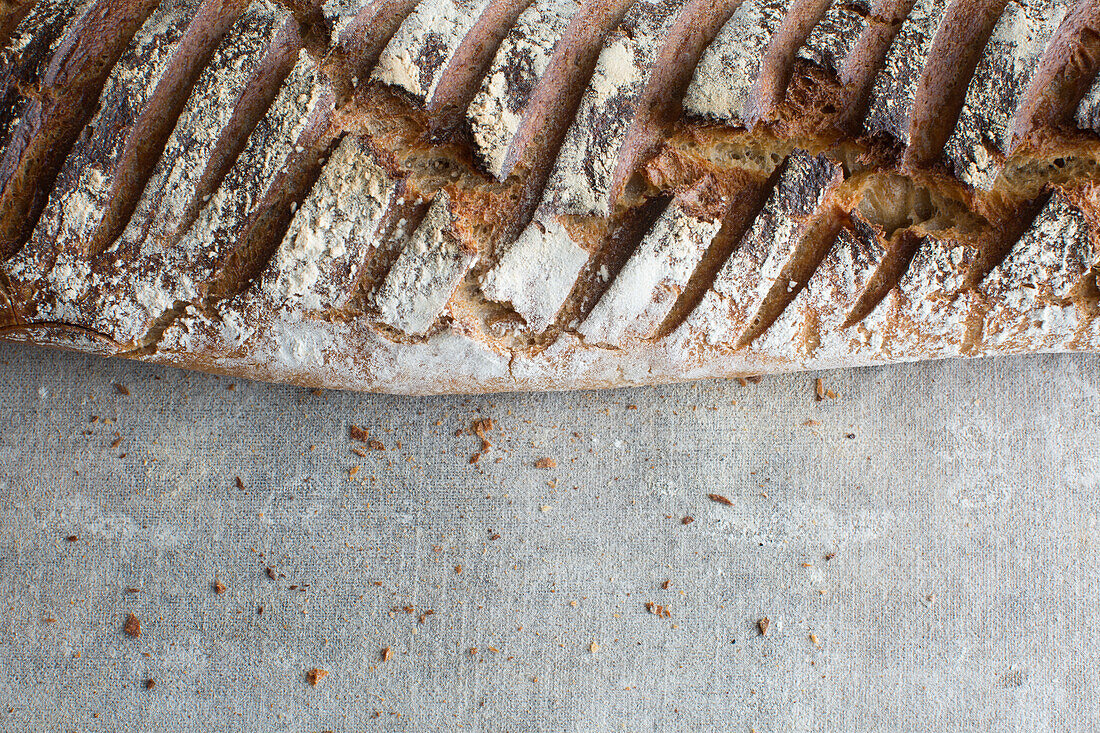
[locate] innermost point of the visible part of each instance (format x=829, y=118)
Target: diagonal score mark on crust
x=25, y=59
x=814, y=240
x=267, y=224
x=532, y=154
x=255, y=100
x=334, y=231
x=361, y=42
x=147, y=138
x=402, y=217
x=494, y=114
x=580, y=181
x=647, y=285
x=176, y=189
x=612, y=251
x=462, y=77
x=863, y=64
x=660, y=106
x=556, y=97
x=743, y=205
x=80, y=193
x=1069, y=64
x=50, y=125
x=1038, y=293
x=979, y=144
x=779, y=56
x=952, y=61
x=895, y=263
x=1013, y=222
x=425, y=274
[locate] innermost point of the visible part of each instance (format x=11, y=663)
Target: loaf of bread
x=425, y=196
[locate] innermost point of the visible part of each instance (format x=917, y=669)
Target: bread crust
x=494, y=195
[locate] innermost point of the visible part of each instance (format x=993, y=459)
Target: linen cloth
x=924, y=547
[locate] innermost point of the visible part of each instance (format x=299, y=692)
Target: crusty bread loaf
x=477, y=195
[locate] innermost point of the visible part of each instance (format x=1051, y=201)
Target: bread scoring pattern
x=798, y=182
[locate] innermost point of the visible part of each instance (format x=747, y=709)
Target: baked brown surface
x=481, y=195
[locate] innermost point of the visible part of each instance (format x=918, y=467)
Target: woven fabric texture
x=922, y=543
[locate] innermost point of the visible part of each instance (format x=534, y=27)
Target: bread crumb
x=687, y=520
x=238, y=482
x=545, y=462
x=458, y=570
x=219, y=587
x=718, y=498
x=765, y=625
x=132, y=627
x=830, y=555
x=819, y=389
x=665, y=585
x=72, y=538
x=544, y=508
x=150, y=684
x=375, y=444
x=658, y=610
x=813, y=639
x=315, y=675
x=387, y=654
x=122, y=389
x=352, y=471
x=573, y=604
x=358, y=433
x=593, y=647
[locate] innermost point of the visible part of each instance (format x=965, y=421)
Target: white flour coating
x=811, y=325
x=80, y=195
x=496, y=110
x=647, y=286
x=118, y=306
x=331, y=231
x=171, y=188
x=981, y=137
x=340, y=12
x=124, y=302
x=1088, y=112
x=1033, y=284
x=896, y=83
x=425, y=274
x=752, y=269
x=299, y=344
x=834, y=37
x=418, y=54
x=580, y=181
x=729, y=66
x=927, y=312
x=224, y=215
x=36, y=21
x=536, y=273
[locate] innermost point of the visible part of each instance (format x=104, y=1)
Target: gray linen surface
x=960, y=500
